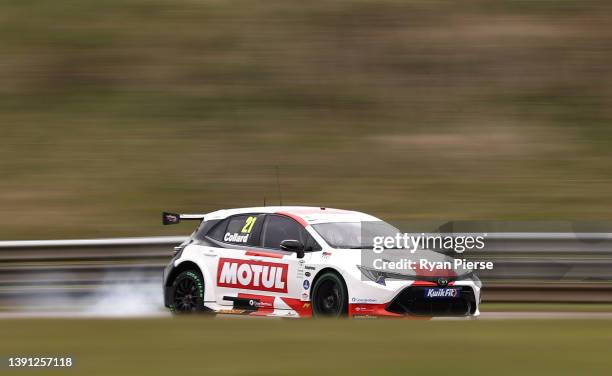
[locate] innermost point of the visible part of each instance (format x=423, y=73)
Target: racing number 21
x=248, y=226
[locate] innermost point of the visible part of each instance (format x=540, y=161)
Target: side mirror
x=293, y=246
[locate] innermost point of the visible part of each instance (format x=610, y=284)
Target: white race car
x=302, y=262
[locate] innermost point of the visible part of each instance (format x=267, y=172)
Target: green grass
x=300, y=347
x=112, y=111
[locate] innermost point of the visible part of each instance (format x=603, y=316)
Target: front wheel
x=329, y=296
x=188, y=293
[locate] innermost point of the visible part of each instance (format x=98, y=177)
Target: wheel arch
x=190, y=262
x=183, y=266
x=327, y=270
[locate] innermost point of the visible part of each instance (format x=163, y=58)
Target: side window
x=239, y=230
x=279, y=228
x=218, y=231
x=310, y=244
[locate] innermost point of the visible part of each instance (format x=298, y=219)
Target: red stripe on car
x=303, y=309
x=424, y=283
x=295, y=217
x=373, y=310
x=263, y=254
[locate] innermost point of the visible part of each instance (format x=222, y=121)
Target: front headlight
x=380, y=276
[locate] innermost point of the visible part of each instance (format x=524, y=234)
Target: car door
x=251, y=268
x=277, y=228
x=230, y=268
x=258, y=270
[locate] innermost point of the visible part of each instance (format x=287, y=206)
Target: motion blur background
x=111, y=111
x=114, y=110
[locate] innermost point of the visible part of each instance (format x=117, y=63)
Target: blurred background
x=112, y=111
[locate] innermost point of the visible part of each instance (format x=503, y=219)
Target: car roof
x=306, y=215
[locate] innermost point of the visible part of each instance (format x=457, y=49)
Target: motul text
x=252, y=275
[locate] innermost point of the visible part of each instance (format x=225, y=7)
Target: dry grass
x=113, y=111
x=304, y=347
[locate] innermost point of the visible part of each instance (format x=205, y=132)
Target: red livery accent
x=433, y=273
x=303, y=309
x=365, y=310
x=252, y=275
x=424, y=283
x=427, y=283
x=263, y=254
x=296, y=217
x=378, y=310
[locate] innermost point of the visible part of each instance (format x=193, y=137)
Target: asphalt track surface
x=144, y=301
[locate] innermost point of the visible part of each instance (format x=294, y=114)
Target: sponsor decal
x=310, y=267
x=300, y=269
x=235, y=238
x=307, y=274
x=306, y=284
x=262, y=304
x=441, y=293
x=365, y=317
x=232, y=311
x=304, y=296
x=298, y=307
x=363, y=300
x=326, y=255
x=252, y=275
x=442, y=281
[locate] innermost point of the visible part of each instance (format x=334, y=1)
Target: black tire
x=188, y=293
x=329, y=296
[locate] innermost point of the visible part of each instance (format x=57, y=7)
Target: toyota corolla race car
x=303, y=262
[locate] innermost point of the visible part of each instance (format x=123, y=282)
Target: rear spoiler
x=173, y=218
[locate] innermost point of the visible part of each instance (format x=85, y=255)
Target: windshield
x=358, y=235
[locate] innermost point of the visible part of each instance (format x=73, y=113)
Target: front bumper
x=411, y=302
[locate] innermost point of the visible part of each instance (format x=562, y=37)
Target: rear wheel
x=188, y=293
x=329, y=296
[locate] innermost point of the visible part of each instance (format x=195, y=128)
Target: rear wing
x=173, y=218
